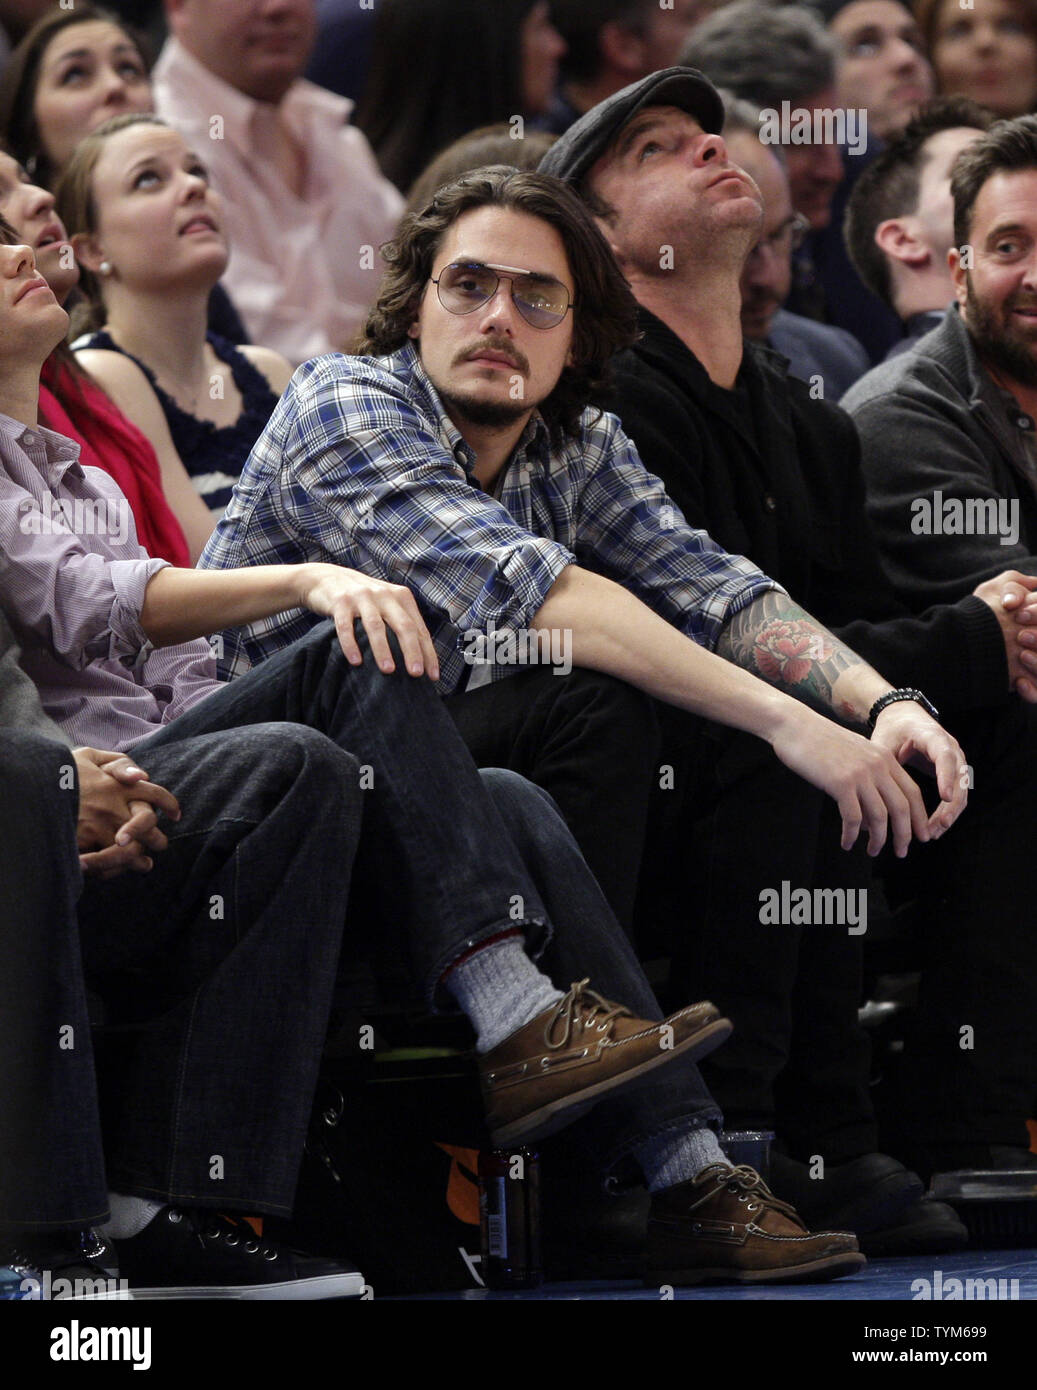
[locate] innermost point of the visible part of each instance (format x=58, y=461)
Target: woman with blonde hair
x=147, y=230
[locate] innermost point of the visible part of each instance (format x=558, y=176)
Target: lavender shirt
x=72, y=582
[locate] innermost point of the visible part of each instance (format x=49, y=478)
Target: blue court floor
x=885, y=1280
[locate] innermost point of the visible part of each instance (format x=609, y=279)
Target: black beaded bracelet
x=891, y=697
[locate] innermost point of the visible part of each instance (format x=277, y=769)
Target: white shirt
x=303, y=271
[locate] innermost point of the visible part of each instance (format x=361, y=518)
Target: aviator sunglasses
x=463, y=286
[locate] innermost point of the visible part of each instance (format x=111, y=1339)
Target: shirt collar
x=194, y=82
x=659, y=337
x=52, y=453
x=534, y=441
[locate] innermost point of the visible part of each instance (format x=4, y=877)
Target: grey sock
x=673, y=1158
x=500, y=989
x=129, y=1215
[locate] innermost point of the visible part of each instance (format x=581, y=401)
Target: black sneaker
x=200, y=1254
x=62, y=1265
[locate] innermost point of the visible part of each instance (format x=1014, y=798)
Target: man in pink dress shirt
x=306, y=205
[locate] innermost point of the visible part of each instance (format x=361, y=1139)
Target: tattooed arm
x=776, y=640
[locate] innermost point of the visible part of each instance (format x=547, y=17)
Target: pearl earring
x=105, y=267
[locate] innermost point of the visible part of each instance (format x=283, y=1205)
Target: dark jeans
x=587, y=941
x=735, y=822
x=216, y=970
x=455, y=865
x=51, y=1169
x=589, y=740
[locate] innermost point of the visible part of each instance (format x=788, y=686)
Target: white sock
x=500, y=989
x=129, y=1215
x=669, y=1159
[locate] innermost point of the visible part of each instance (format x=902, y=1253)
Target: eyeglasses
x=463, y=286
x=788, y=237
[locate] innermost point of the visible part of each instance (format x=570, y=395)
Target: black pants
x=731, y=823
x=969, y=1073
x=591, y=742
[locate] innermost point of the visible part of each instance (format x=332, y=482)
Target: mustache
x=491, y=344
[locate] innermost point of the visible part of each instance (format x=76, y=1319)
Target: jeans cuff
x=537, y=932
x=620, y=1155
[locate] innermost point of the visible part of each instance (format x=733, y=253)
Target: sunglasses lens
x=543, y=305
x=463, y=288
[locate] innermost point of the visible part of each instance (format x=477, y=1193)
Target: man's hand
x=914, y=736
x=1012, y=597
x=865, y=778
x=345, y=595
x=118, y=814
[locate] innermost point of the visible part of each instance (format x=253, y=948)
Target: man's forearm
x=776, y=640
x=181, y=604
x=614, y=632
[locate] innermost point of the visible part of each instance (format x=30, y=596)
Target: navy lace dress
x=213, y=456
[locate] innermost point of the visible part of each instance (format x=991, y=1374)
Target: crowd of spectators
x=510, y=493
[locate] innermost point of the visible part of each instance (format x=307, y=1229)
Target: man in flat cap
x=751, y=455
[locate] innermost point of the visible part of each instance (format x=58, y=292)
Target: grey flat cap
x=587, y=139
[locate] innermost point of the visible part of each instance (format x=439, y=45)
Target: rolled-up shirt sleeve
x=630, y=529
x=82, y=604
x=363, y=469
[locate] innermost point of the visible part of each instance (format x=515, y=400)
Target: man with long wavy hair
x=462, y=455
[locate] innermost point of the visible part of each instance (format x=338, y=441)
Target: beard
x=491, y=413
x=999, y=343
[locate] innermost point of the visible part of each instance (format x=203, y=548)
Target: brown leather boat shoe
x=726, y=1226
x=581, y=1049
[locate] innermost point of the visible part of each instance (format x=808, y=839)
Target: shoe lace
x=744, y=1181
x=581, y=1005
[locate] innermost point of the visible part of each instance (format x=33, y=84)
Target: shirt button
x=770, y=504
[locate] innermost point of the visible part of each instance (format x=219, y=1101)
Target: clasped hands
x=119, y=807
x=1013, y=598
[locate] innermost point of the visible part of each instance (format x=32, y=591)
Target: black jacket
x=774, y=475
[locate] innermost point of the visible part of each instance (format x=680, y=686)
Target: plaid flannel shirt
x=361, y=466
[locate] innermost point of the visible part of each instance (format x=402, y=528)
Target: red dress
x=79, y=409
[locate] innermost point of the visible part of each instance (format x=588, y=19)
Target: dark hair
x=604, y=310
x=18, y=129
x=438, y=70
x=580, y=22
x=61, y=372
x=763, y=53
x=889, y=186
x=490, y=144
x=1006, y=146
